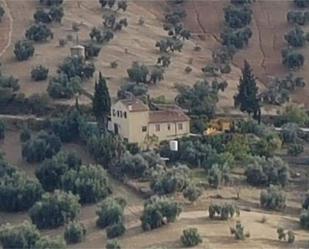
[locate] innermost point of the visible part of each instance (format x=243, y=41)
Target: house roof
x=134, y=105
x=167, y=116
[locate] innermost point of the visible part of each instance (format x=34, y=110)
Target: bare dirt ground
x=215, y=233
x=5, y=29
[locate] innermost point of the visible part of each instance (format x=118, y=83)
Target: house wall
x=167, y=134
x=122, y=122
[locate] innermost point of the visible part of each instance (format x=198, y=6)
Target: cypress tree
x=246, y=99
x=101, y=102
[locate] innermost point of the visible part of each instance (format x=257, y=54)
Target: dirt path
x=6, y=28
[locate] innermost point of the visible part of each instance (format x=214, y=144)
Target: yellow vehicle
x=218, y=126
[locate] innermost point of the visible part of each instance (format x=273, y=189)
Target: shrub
x=190, y=237
x=51, y=170
x=295, y=37
x=2, y=130
x=54, y=210
x=304, y=219
x=2, y=12
x=291, y=237
x=90, y=183
x=63, y=87
x=109, y=212
x=113, y=244
x=137, y=90
x=92, y=50
x=38, y=32
x=23, y=50
x=263, y=172
x=74, y=232
x=21, y=236
x=282, y=235
x=236, y=38
x=158, y=212
x=223, y=211
x=47, y=243
x=273, y=199
x=301, y=3
x=18, y=192
x=218, y=175
x=39, y=73
x=298, y=17
x=239, y=232
x=295, y=149
x=237, y=17
x=76, y=66
x=25, y=135
x=42, y=16
x=305, y=204
x=51, y=2
x=115, y=230
x=192, y=193
x=41, y=147
x=293, y=60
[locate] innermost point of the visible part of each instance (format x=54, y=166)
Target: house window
x=114, y=112
x=157, y=127
x=144, y=128
x=125, y=114
x=169, y=127
x=118, y=114
x=180, y=126
x=121, y=114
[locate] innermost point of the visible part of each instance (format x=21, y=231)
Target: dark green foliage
x=110, y=212
x=74, y=232
x=76, y=66
x=138, y=73
x=115, y=230
x=18, y=192
x=170, y=45
x=38, y=32
x=39, y=73
x=63, y=87
x=237, y=17
x=201, y=99
x=101, y=36
x=23, y=50
x=112, y=244
x=264, y=172
x=294, y=114
x=304, y=219
x=192, y=192
x=51, y=170
x=295, y=149
x=218, y=174
x=40, y=147
x=51, y=2
x=298, y=17
x=101, y=103
x=305, y=204
x=223, y=211
x=42, y=16
x=238, y=38
x=21, y=236
x=54, y=210
x=190, y=237
x=295, y=37
x=301, y=3
x=92, y=50
x=48, y=243
x=239, y=231
x=158, y=212
x=90, y=183
x=291, y=133
x=137, y=90
x=56, y=13
x=170, y=181
x=273, y=198
x=2, y=12
x=247, y=99
x=292, y=59
x=2, y=130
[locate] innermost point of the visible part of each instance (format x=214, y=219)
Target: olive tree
x=38, y=32
x=2, y=12
x=74, y=232
x=23, y=50
x=46, y=242
x=273, y=198
x=39, y=73
x=190, y=237
x=54, y=209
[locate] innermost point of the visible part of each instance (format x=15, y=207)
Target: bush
x=23, y=50
x=304, y=219
x=218, y=175
x=158, y=212
x=137, y=90
x=25, y=135
x=2, y=12
x=63, y=87
x=110, y=212
x=54, y=210
x=2, y=130
x=90, y=183
x=301, y=3
x=21, y=236
x=273, y=199
x=237, y=17
x=293, y=60
x=223, y=211
x=295, y=37
x=190, y=237
x=74, y=232
x=282, y=235
x=51, y=170
x=18, y=192
x=92, y=50
x=239, y=231
x=113, y=244
x=115, y=230
x=41, y=147
x=236, y=38
x=39, y=73
x=192, y=193
x=38, y=32
x=51, y=2
x=305, y=204
x=48, y=243
x=295, y=149
x=298, y=17
x=76, y=66
x=263, y=172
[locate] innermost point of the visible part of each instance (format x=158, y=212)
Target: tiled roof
x=167, y=116
x=134, y=105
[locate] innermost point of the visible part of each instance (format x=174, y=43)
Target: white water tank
x=174, y=145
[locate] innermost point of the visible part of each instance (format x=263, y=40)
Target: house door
x=116, y=131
